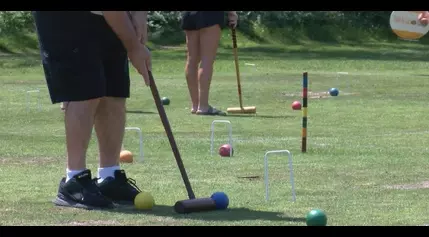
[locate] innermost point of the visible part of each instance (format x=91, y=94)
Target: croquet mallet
x=241, y=109
x=192, y=204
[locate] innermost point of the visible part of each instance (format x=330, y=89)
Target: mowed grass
x=362, y=143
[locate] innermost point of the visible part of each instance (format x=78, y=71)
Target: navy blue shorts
x=81, y=55
x=202, y=19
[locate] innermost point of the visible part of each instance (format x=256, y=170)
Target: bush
x=166, y=22
x=15, y=21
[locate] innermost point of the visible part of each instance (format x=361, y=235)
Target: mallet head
x=195, y=205
x=242, y=110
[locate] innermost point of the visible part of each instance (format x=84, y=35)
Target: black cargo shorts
x=196, y=20
x=81, y=56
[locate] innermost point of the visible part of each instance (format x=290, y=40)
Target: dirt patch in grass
x=421, y=185
x=315, y=95
x=249, y=177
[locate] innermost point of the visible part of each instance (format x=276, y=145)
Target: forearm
x=141, y=14
x=142, y=18
x=121, y=24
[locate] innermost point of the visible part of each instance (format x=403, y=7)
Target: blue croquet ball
x=333, y=92
x=221, y=200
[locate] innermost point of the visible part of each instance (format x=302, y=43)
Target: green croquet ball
x=316, y=217
x=165, y=101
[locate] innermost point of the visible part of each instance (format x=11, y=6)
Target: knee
x=207, y=64
x=192, y=63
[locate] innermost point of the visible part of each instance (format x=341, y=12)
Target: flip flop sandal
x=212, y=111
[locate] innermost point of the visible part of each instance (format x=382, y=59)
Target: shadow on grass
x=307, y=53
x=13, y=61
x=421, y=75
x=5, y=50
x=231, y=214
x=367, y=52
x=20, y=40
x=140, y=112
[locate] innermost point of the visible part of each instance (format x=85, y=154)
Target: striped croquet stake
x=304, y=111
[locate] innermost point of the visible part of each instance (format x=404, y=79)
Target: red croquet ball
x=225, y=149
x=296, y=105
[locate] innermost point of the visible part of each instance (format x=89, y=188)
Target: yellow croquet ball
x=144, y=201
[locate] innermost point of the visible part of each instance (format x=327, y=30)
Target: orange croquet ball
x=126, y=156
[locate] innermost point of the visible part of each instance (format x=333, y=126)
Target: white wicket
x=139, y=131
x=292, y=182
x=347, y=83
x=229, y=134
x=37, y=99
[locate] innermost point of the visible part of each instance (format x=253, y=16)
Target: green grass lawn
x=367, y=160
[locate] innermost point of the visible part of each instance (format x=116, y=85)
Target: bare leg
x=110, y=128
x=191, y=68
x=209, y=42
x=79, y=120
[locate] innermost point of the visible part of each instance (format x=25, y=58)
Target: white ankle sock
x=71, y=174
x=107, y=172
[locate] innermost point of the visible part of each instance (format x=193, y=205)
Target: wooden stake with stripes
x=304, y=111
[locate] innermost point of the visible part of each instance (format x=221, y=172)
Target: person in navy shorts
x=85, y=60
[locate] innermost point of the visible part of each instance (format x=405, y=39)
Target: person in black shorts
x=203, y=32
x=85, y=61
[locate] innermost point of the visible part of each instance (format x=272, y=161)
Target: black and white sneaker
x=120, y=189
x=81, y=192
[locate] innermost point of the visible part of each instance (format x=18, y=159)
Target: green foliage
x=279, y=19
x=15, y=21
x=164, y=21
x=285, y=25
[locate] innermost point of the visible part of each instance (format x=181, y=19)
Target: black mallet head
x=195, y=205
